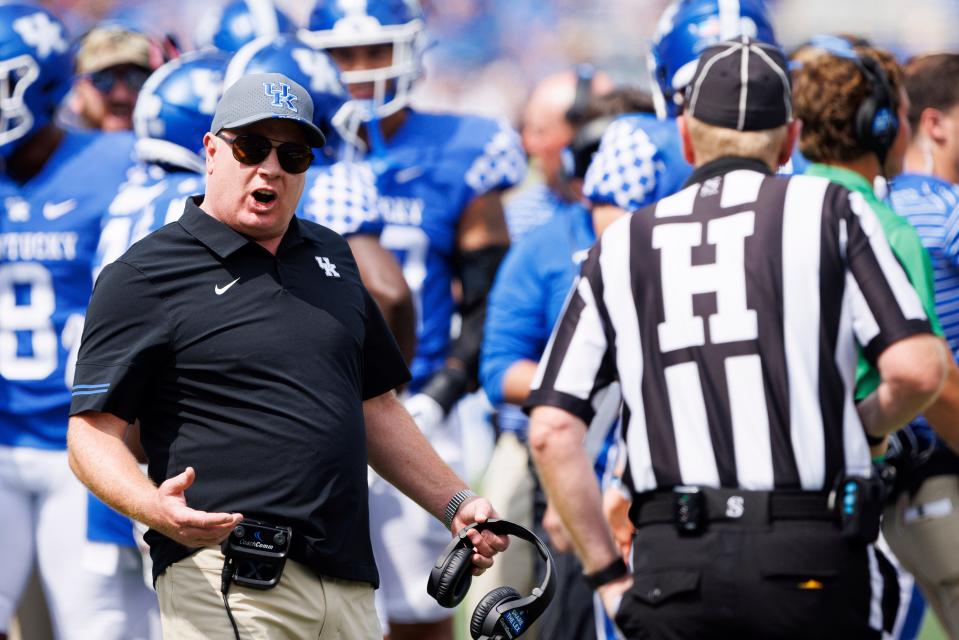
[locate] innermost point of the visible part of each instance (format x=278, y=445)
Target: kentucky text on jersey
x=49, y=229
x=38, y=246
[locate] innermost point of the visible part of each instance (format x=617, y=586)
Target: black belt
x=735, y=505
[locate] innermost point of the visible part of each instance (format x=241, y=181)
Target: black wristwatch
x=874, y=441
x=616, y=569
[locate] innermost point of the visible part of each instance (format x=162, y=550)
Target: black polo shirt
x=252, y=369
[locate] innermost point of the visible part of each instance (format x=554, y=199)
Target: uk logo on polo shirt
x=328, y=267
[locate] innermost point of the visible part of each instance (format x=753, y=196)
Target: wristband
x=874, y=441
x=454, y=505
x=615, y=570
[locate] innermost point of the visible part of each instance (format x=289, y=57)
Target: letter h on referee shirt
x=681, y=279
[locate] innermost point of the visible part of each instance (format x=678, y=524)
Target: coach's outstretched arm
x=399, y=452
x=101, y=460
x=912, y=372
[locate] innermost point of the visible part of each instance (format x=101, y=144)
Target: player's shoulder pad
x=492, y=150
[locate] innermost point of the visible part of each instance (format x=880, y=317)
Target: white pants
x=44, y=515
x=407, y=540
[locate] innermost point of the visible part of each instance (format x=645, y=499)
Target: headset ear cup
x=489, y=602
x=454, y=578
x=864, y=122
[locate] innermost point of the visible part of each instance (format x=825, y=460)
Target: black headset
x=579, y=153
x=502, y=613
x=584, y=90
x=876, y=122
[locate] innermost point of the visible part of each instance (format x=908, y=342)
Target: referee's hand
x=173, y=518
x=486, y=543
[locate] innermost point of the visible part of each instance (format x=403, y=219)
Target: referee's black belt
x=729, y=505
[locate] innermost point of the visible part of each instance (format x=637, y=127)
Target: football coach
x=262, y=375
x=730, y=313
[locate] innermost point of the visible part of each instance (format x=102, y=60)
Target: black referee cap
x=741, y=84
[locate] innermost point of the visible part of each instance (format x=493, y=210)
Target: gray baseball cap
x=262, y=96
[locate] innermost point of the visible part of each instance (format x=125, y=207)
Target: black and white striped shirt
x=730, y=313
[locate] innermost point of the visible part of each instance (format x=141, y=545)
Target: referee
x=730, y=313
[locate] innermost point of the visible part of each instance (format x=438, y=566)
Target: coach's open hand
x=486, y=543
x=192, y=528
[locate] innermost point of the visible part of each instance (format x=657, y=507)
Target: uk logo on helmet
x=281, y=94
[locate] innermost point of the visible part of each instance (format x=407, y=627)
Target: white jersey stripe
x=694, y=445
x=618, y=297
x=754, y=458
x=678, y=204
x=905, y=294
x=586, y=349
x=876, y=584
x=740, y=187
x=856, y=450
x=802, y=229
x=864, y=322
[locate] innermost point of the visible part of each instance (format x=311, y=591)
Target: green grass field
x=931, y=629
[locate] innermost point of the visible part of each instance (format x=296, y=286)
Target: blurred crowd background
x=485, y=54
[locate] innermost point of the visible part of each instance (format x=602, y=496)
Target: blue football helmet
x=230, y=27
x=685, y=29
x=36, y=69
x=175, y=108
x=308, y=67
x=350, y=23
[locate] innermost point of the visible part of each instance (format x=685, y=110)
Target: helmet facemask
x=17, y=75
x=392, y=84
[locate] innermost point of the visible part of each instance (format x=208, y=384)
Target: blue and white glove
x=426, y=412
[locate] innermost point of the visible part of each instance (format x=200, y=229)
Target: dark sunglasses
x=252, y=148
x=105, y=79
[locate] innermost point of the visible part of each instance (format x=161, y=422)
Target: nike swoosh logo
x=410, y=173
x=218, y=290
x=54, y=210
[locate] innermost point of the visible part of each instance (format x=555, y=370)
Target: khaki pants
x=923, y=533
x=302, y=605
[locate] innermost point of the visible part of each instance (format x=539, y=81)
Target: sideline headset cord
x=226, y=577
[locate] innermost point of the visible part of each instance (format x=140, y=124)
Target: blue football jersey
x=150, y=198
x=639, y=161
x=342, y=197
x=49, y=228
x=437, y=165
x=931, y=205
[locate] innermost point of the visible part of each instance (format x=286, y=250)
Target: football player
x=439, y=179
x=55, y=185
x=237, y=23
x=173, y=112
x=640, y=158
x=340, y=195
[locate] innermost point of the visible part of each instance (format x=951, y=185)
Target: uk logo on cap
x=281, y=94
